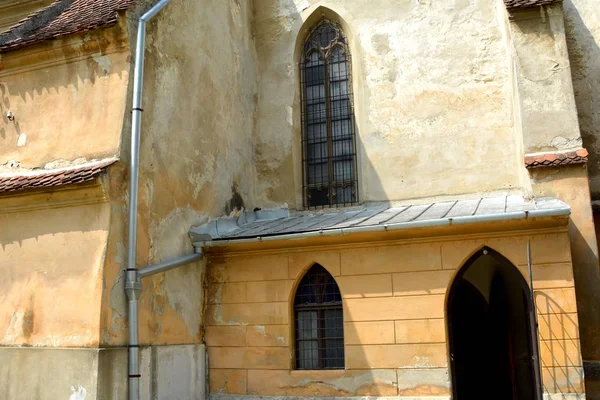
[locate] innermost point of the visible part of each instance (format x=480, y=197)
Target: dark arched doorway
x=491, y=332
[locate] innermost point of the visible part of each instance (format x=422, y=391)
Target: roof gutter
x=432, y=223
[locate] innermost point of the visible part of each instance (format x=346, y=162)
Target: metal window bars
x=328, y=128
x=319, y=322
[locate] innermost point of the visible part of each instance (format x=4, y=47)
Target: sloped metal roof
x=281, y=224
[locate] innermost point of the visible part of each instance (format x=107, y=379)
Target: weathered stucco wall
x=196, y=159
x=545, y=91
x=582, y=21
x=432, y=91
x=52, y=252
x=67, y=98
x=544, y=68
x=394, y=316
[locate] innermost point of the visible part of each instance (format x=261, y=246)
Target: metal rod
x=167, y=265
x=534, y=339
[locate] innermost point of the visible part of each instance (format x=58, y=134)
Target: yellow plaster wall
x=195, y=160
x=418, y=88
x=571, y=186
x=52, y=249
x=67, y=98
x=394, y=307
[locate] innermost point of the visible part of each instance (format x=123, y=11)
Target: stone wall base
x=214, y=396
x=168, y=372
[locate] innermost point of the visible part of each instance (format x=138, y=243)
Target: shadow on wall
x=584, y=57
x=587, y=276
x=63, y=98
x=45, y=252
x=560, y=351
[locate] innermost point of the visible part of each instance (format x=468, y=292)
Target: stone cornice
x=86, y=193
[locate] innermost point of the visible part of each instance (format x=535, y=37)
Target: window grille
x=319, y=321
x=328, y=128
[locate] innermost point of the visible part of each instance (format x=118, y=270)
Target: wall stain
x=236, y=203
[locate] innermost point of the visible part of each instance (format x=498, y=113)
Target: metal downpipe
x=133, y=285
x=165, y=266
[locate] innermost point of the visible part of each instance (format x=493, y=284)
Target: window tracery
x=328, y=128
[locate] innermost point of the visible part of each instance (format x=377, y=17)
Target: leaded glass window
x=319, y=321
x=328, y=131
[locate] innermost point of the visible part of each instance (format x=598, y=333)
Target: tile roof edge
x=102, y=163
x=18, y=46
x=119, y=6
x=14, y=182
x=518, y=7
x=556, y=158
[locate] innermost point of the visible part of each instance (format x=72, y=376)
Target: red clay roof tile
x=11, y=182
x=540, y=160
x=63, y=17
x=519, y=4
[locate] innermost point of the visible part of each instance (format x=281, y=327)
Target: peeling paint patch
x=218, y=314
x=421, y=362
x=117, y=303
x=15, y=327
x=104, y=62
x=562, y=143
x=354, y=383
x=200, y=178
x=303, y=5
x=78, y=394
x=22, y=140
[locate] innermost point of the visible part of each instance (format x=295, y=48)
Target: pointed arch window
x=328, y=128
x=319, y=321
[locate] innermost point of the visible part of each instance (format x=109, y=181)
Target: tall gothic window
x=328, y=131
x=319, y=321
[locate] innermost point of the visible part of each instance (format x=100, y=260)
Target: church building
x=299, y=199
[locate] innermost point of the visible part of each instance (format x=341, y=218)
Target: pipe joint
x=133, y=285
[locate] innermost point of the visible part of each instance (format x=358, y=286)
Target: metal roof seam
x=472, y=219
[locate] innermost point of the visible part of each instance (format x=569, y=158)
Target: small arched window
x=319, y=321
x=328, y=130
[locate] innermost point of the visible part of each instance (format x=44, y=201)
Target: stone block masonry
x=394, y=318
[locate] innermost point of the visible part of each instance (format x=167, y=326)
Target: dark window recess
x=319, y=321
x=328, y=129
